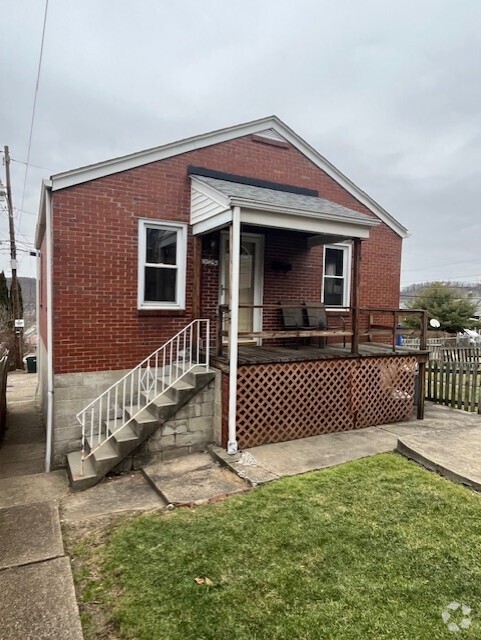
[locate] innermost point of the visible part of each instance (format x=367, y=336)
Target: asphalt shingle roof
x=283, y=199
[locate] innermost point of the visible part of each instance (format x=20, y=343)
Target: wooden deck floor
x=268, y=354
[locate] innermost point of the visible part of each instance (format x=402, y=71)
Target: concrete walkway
x=22, y=451
x=192, y=480
x=447, y=435
x=38, y=597
x=452, y=449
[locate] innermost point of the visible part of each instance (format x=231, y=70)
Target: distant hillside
x=471, y=290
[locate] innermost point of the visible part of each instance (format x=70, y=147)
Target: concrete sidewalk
x=22, y=450
x=38, y=600
x=452, y=449
x=272, y=461
x=38, y=596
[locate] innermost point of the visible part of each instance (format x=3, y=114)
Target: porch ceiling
x=213, y=201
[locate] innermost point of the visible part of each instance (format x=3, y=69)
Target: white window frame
x=347, y=262
x=180, y=266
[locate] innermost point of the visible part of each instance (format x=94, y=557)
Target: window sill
x=162, y=313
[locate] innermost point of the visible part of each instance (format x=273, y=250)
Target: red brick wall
x=95, y=236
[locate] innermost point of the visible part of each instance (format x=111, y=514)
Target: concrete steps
x=124, y=440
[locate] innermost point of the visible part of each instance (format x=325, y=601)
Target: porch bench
x=311, y=320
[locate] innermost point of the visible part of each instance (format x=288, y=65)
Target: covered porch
x=281, y=383
x=253, y=354
x=285, y=393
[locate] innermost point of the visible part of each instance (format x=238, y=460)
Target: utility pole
x=18, y=331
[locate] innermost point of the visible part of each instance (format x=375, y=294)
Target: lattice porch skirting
x=289, y=400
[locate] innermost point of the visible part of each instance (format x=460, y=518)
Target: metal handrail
x=125, y=399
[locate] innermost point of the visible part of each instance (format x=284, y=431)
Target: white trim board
x=315, y=226
x=180, y=266
x=346, y=276
x=259, y=241
x=116, y=165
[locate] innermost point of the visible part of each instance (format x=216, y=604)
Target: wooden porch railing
x=366, y=323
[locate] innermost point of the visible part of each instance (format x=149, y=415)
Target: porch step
x=125, y=439
x=121, y=433
x=103, y=455
x=179, y=391
x=79, y=480
x=198, y=374
x=163, y=408
x=144, y=422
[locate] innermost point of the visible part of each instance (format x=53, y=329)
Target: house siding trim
x=181, y=251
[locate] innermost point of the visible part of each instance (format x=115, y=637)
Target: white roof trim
x=42, y=215
x=116, y=165
x=290, y=220
x=256, y=206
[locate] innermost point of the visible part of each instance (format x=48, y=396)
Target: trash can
x=31, y=364
x=399, y=338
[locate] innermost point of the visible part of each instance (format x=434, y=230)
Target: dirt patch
x=82, y=541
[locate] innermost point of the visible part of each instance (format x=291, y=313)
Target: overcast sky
x=389, y=92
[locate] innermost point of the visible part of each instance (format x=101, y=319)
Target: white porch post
x=234, y=252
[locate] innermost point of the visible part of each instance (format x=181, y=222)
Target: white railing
x=432, y=343
x=128, y=397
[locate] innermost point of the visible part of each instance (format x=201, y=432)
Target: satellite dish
x=435, y=323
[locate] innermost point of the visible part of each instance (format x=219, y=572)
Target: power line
x=451, y=279
x=36, y=166
x=31, y=213
x=6, y=250
x=25, y=235
x=22, y=242
x=438, y=266
x=34, y=106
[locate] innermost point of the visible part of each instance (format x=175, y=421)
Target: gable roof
x=252, y=196
x=270, y=127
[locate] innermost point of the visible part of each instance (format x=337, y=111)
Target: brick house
x=133, y=250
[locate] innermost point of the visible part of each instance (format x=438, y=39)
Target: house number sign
x=210, y=262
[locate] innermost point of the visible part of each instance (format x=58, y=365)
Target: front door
x=250, y=278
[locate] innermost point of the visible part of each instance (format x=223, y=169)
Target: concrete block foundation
x=190, y=430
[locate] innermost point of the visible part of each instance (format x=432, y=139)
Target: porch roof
x=213, y=200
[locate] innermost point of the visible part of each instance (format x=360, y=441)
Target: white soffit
x=271, y=124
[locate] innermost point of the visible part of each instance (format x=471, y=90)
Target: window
x=162, y=250
x=337, y=269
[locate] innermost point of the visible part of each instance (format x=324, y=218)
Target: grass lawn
x=371, y=549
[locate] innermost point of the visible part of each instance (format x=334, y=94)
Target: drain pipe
x=37, y=316
x=234, y=326
x=48, y=231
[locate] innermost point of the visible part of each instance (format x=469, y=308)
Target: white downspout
x=37, y=316
x=234, y=326
x=48, y=231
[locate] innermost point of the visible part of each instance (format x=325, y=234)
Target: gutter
x=48, y=230
x=235, y=240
